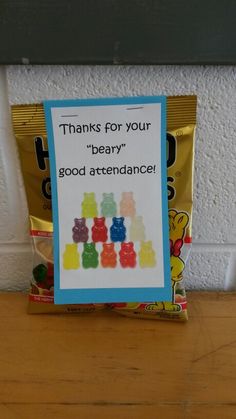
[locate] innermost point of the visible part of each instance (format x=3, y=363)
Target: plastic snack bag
x=30, y=131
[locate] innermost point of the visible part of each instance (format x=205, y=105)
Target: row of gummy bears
x=108, y=256
x=80, y=232
x=108, y=205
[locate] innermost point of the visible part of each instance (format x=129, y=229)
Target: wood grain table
x=108, y=366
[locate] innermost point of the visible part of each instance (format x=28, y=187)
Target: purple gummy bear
x=80, y=230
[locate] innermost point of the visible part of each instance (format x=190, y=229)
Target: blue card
x=109, y=196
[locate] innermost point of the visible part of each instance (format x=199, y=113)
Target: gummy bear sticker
x=109, y=194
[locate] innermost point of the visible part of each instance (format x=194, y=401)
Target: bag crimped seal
x=31, y=136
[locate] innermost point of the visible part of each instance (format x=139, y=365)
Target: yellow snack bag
x=30, y=131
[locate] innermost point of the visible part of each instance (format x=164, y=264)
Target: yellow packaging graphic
x=30, y=131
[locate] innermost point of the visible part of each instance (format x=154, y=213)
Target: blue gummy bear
x=118, y=230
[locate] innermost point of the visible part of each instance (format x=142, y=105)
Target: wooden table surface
x=108, y=366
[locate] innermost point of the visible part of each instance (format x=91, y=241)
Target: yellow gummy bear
x=71, y=258
x=89, y=206
x=147, y=256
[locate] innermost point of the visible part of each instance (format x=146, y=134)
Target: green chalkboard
x=117, y=31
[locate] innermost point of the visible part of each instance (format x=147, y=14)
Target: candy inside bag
x=30, y=131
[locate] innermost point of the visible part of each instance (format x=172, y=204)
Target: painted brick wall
x=213, y=262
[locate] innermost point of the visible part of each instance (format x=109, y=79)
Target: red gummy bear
x=99, y=230
x=127, y=255
x=108, y=255
x=50, y=272
x=50, y=276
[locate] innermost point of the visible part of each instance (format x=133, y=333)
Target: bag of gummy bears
x=31, y=136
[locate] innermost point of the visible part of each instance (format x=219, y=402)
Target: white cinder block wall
x=212, y=264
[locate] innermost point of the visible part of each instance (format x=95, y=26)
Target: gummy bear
x=50, y=275
x=108, y=205
x=147, y=257
x=50, y=272
x=108, y=255
x=80, y=230
x=99, y=230
x=90, y=256
x=127, y=255
x=89, y=205
x=127, y=205
x=137, y=229
x=44, y=276
x=71, y=257
x=118, y=230
x=40, y=273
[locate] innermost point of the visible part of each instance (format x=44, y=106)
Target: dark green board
x=118, y=31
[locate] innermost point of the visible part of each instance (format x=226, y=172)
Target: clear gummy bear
x=137, y=229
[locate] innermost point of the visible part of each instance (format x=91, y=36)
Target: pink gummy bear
x=127, y=205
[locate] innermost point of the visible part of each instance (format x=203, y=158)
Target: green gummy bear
x=90, y=256
x=108, y=205
x=40, y=273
